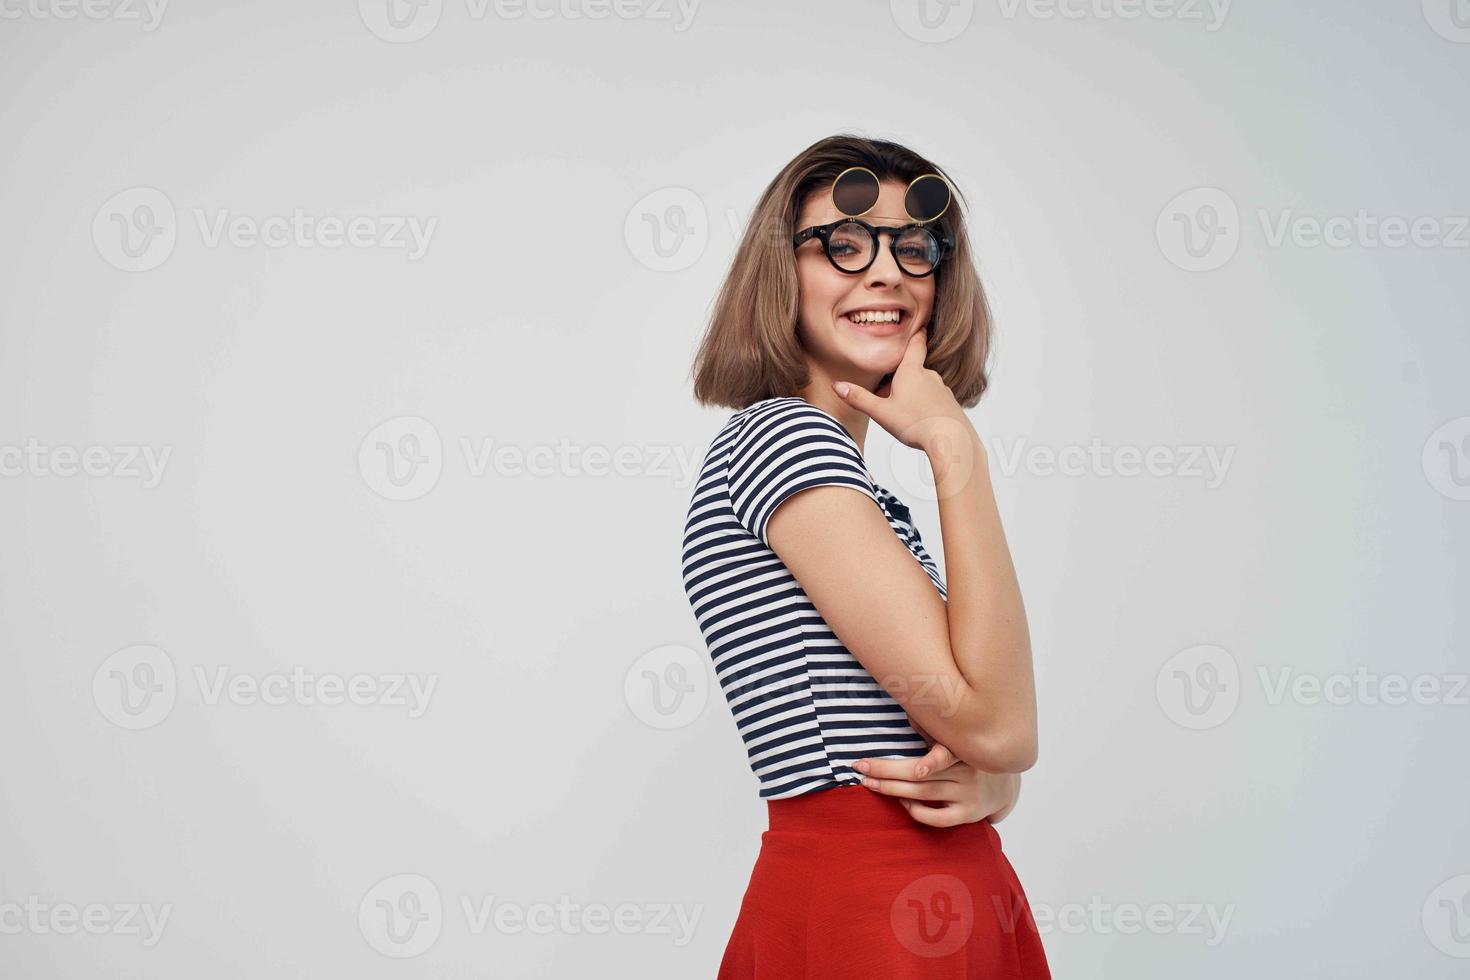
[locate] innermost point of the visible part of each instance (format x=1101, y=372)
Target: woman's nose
x=885, y=266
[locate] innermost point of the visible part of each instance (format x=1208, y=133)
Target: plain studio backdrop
x=347, y=437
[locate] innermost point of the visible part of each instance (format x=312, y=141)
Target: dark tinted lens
x=850, y=246
x=927, y=198
x=855, y=192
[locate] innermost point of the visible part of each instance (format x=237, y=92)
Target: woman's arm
x=987, y=619
x=962, y=669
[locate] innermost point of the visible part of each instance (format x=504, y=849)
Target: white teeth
x=871, y=316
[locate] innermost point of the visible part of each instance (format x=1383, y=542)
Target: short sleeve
x=793, y=446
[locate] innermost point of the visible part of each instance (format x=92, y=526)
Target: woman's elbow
x=1012, y=750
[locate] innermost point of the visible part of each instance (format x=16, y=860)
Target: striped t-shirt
x=804, y=706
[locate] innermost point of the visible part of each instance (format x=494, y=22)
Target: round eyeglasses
x=852, y=245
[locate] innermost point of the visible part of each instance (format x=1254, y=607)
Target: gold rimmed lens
x=927, y=198
x=855, y=191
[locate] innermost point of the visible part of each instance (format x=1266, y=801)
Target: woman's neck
x=819, y=392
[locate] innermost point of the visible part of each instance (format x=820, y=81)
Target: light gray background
x=588, y=179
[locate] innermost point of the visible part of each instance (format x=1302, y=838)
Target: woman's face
x=846, y=350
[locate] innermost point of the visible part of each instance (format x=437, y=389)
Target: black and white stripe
x=804, y=706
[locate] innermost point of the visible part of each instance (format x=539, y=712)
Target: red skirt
x=848, y=885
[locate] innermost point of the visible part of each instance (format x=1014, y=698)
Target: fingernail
x=842, y=388
x=870, y=783
x=861, y=765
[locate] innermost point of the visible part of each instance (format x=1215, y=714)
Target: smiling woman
x=881, y=707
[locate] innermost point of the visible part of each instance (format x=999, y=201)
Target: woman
x=862, y=693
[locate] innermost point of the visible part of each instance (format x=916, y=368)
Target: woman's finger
x=937, y=816
x=915, y=352
x=865, y=401
x=937, y=759
x=922, y=789
x=935, y=764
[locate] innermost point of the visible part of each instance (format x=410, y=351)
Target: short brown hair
x=750, y=350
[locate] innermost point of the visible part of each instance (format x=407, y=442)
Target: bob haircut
x=750, y=350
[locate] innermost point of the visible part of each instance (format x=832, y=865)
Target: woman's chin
x=878, y=356
x=875, y=367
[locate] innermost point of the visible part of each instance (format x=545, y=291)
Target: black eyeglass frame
x=824, y=234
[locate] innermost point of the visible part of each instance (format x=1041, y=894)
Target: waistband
x=846, y=808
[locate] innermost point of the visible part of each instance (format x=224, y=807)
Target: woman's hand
x=914, y=405
x=955, y=791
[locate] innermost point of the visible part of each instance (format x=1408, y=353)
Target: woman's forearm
x=987, y=620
